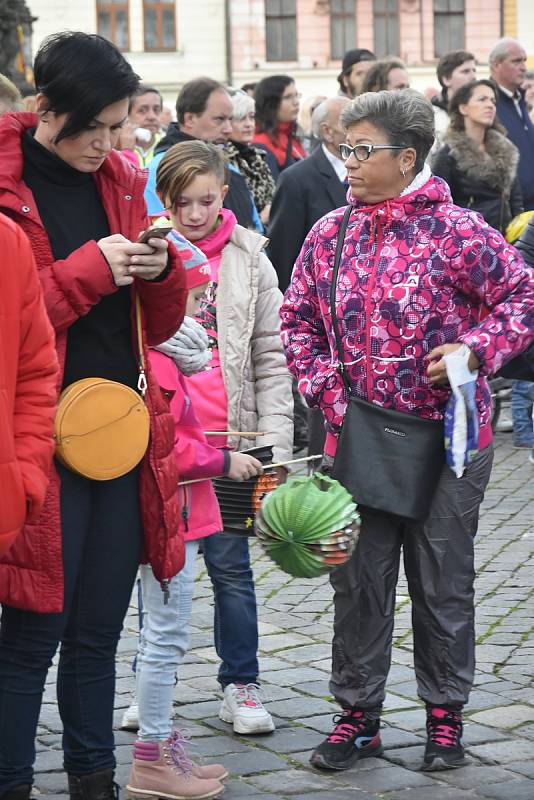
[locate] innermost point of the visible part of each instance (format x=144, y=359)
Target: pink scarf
x=212, y=244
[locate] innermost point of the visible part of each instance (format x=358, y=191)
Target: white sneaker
x=504, y=424
x=130, y=718
x=242, y=707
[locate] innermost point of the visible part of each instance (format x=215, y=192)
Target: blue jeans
x=101, y=543
x=162, y=645
x=522, y=402
x=236, y=620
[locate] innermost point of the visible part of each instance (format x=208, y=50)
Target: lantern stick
x=266, y=466
x=234, y=433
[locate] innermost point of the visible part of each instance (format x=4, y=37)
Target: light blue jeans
x=163, y=643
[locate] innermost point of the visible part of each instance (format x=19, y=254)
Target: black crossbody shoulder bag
x=388, y=460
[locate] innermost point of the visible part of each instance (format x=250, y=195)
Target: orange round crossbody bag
x=102, y=427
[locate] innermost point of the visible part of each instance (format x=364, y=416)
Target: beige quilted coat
x=254, y=370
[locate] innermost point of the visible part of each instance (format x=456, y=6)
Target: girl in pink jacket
x=160, y=761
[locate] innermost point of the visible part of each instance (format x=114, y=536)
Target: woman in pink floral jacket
x=416, y=275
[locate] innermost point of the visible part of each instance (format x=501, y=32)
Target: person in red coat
x=68, y=578
x=28, y=378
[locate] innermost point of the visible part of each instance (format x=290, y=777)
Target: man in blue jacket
x=507, y=62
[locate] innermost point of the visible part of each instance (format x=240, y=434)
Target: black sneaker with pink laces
x=444, y=748
x=356, y=735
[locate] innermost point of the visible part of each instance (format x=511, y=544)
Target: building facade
x=171, y=41
x=307, y=38
x=168, y=42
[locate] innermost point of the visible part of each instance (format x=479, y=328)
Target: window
x=112, y=24
x=386, y=22
x=342, y=27
x=281, y=30
x=160, y=26
x=449, y=26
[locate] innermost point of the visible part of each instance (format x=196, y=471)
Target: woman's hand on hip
x=128, y=260
x=437, y=371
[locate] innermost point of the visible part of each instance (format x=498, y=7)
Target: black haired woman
x=277, y=108
x=477, y=160
x=68, y=578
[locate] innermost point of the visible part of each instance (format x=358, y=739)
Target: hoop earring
x=403, y=172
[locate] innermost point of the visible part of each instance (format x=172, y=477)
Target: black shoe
x=356, y=735
x=95, y=786
x=444, y=748
x=17, y=793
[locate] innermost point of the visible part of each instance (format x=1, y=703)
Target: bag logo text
x=394, y=432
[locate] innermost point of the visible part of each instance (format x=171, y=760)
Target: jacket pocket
x=12, y=498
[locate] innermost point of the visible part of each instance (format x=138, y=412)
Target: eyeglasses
x=362, y=151
x=293, y=96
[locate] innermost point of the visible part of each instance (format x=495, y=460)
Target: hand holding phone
x=153, y=232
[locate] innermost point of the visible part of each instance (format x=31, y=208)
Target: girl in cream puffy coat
x=245, y=387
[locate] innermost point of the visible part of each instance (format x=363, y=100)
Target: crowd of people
x=305, y=257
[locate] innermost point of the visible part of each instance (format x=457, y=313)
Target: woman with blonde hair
x=251, y=161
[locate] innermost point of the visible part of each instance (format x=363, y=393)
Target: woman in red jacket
x=68, y=578
x=28, y=378
x=277, y=108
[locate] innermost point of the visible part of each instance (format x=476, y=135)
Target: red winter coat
x=31, y=576
x=28, y=378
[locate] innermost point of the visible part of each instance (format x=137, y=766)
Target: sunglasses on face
x=362, y=151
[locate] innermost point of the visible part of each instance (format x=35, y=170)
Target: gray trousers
x=439, y=566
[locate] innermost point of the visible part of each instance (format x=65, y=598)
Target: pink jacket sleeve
x=304, y=335
x=494, y=272
x=196, y=458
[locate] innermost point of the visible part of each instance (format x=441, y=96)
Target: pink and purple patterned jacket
x=415, y=272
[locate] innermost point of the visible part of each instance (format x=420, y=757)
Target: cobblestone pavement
x=295, y=628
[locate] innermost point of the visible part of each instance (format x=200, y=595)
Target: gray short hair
x=242, y=103
x=499, y=51
x=529, y=75
x=318, y=117
x=406, y=117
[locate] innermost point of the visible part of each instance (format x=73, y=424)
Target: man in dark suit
x=308, y=190
x=305, y=192
x=507, y=62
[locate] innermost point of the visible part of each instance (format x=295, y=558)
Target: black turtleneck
x=100, y=343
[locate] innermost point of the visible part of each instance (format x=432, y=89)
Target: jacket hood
x=498, y=167
x=249, y=241
x=440, y=102
x=173, y=136
x=13, y=126
x=433, y=191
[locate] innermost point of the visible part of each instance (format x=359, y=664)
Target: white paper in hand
x=461, y=416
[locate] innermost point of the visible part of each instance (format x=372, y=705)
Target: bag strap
x=142, y=382
x=333, y=285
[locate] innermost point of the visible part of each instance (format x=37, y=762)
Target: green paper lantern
x=308, y=526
